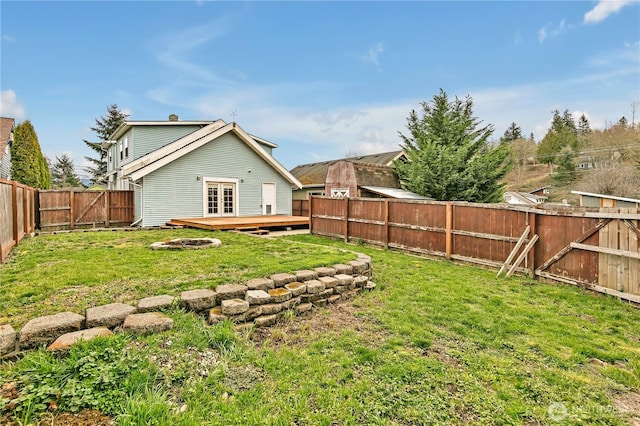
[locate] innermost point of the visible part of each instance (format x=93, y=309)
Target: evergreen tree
x=622, y=122
x=28, y=165
x=512, y=133
x=63, y=173
x=105, y=126
x=566, y=172
x=584, y=128
x=449, y=155
x=562, y=133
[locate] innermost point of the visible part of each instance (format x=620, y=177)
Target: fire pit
x=187, y=244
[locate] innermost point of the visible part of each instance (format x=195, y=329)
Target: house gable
x=208, y=134
x=178, y=189
x=6, y=138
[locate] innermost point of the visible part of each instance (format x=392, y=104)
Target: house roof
x=395, y=193
x=316, y=173
x=523, y=197
x=124, y=127
x=378, y=175
x=168, y=153
x=6, y=125
x=611, y=197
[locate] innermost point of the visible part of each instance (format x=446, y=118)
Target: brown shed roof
x=6, y=125
x=316, y=173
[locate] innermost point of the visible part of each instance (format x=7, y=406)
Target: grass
x=73, y=271
x=436, y=343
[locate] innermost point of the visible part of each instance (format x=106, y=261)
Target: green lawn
x=435, y=343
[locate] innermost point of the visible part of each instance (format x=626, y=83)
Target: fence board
x=486, y=234
x=17, y=216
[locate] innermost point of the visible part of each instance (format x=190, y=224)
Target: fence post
x=72, y=214
x=107, y=203
x=310, y=213
x=531, y=259
x=346, y=219
x=14, y=211
x=25, y=213
x=386, y=223
x=449, y=226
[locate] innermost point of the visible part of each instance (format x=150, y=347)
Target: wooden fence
x=300, y=208
x=596, y=249
x=17, y=214
x=70, y=209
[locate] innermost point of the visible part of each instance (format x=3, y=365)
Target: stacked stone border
x=260, y=302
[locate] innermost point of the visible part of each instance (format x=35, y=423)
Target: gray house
x=6, y=139
x=195, y=169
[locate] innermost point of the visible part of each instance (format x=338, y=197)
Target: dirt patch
x=81, y=418
x=439, y=351
x=301, y=329
x=628, y=403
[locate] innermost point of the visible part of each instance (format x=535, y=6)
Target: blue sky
x=320, y=79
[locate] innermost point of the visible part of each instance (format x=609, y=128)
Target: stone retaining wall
x=259, y=302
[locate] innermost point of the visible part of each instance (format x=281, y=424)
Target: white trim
x=165, y=155
x=205, y=196
x=610, y=197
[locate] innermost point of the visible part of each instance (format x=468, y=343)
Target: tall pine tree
x=28, y=165
x=512, y=133
x=105, y=126
x=563, y=133
x=63, y=173
x=449, y=155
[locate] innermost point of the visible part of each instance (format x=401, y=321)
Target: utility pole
x=634, y=104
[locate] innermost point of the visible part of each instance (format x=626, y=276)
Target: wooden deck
x=227, y=223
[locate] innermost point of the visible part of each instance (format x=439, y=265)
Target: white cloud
x=603, y=9
x=542, y=34
x=10, y=106
x=550, y=31
x=373, y=54
x=8, y=38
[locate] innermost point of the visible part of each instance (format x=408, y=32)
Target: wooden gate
x=73, y=209
x=609, y=249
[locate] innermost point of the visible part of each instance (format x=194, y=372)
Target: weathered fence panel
x=17, y=214
x=300, y=208
x=597, y=249
x=70, y=209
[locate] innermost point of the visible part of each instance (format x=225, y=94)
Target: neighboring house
x=6, y=139
x=181, y=169
x=523, y=198
x=588, y=199
x=354, y=179
x=313, y=176
x=531, y=198
x=542, y=192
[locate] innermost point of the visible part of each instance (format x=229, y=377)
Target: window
x=221, y=198
x=121, y=153
x=126, y=147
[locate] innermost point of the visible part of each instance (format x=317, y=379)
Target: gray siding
x=174, y=190
x=588, y=201
x=137, y=202
x=5, y=165
x=145, y=139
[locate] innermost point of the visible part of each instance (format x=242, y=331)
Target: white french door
x=221, y=199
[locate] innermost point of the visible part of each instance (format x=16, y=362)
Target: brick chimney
x=173, y=117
